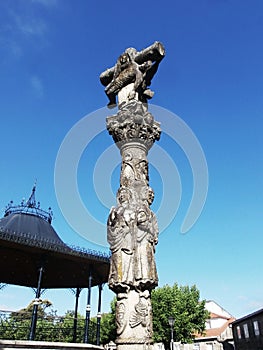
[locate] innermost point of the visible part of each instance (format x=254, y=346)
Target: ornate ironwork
x=32, y=207
x=29, y=207
x=48, y=244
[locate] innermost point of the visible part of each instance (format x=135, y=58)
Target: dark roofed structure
x=33, y=255
x=28, y=241
x=31, y=225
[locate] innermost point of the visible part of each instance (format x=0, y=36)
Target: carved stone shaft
x=132, y=229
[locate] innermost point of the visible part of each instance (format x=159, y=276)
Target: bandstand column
x=88, y=307
x=35, y=305
x=99, y=315
x=78, y=290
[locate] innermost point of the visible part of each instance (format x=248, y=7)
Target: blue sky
x=52, y=53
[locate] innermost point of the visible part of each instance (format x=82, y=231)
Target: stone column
x=132, y=229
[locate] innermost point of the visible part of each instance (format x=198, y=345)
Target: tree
x=108, y=325
x=183, y=304
x=64, y=327
x=49, y=327
x=17, y=326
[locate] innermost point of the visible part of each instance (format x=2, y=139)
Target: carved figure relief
x=133, y=67
x=133, y=169
x=126, y=71
x=132, y=229
x=147, y=238
x=132, y=235
x=121, y=225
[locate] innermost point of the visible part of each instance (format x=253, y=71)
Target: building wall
x=215, y=323
x=213, y=307
x=248, y=332
x=210, y=345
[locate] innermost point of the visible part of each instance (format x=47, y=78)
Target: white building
x=218, y=334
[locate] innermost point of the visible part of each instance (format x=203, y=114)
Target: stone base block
x=134, y=320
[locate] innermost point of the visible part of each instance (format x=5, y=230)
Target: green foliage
x=49, y=326
x=17, y=326
x=63, y=328
x=108, y=325
x=183, y=304
x=180, y=302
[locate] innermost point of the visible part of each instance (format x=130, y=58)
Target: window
x=239, y=332
x=196, y=347
x=256, y=327
x=245, y=327
x=208, y=324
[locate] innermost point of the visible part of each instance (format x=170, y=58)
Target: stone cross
x=132, y=229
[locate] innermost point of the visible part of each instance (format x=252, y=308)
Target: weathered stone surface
x=134, y=122
x=133, y=67
x=132, y=229
x=132, y=235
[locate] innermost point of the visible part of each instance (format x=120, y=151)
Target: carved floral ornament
x=133, y=123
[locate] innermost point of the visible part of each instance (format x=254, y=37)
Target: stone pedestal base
x=134, y=320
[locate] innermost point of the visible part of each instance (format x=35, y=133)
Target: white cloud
x=29, y=26
x=22, y=27
x=11, y=47
x=15, y=49
x=37, y=86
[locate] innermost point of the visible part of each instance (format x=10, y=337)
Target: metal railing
x=50, y=327
x=53, y=245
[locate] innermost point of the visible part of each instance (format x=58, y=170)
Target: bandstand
x=33, y=255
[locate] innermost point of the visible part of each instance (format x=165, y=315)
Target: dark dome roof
x=28, y=241
x=31, y=226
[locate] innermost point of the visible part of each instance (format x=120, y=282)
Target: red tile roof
x=215, y=332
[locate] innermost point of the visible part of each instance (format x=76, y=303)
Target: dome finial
x=31, y=203
x=29, y=207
